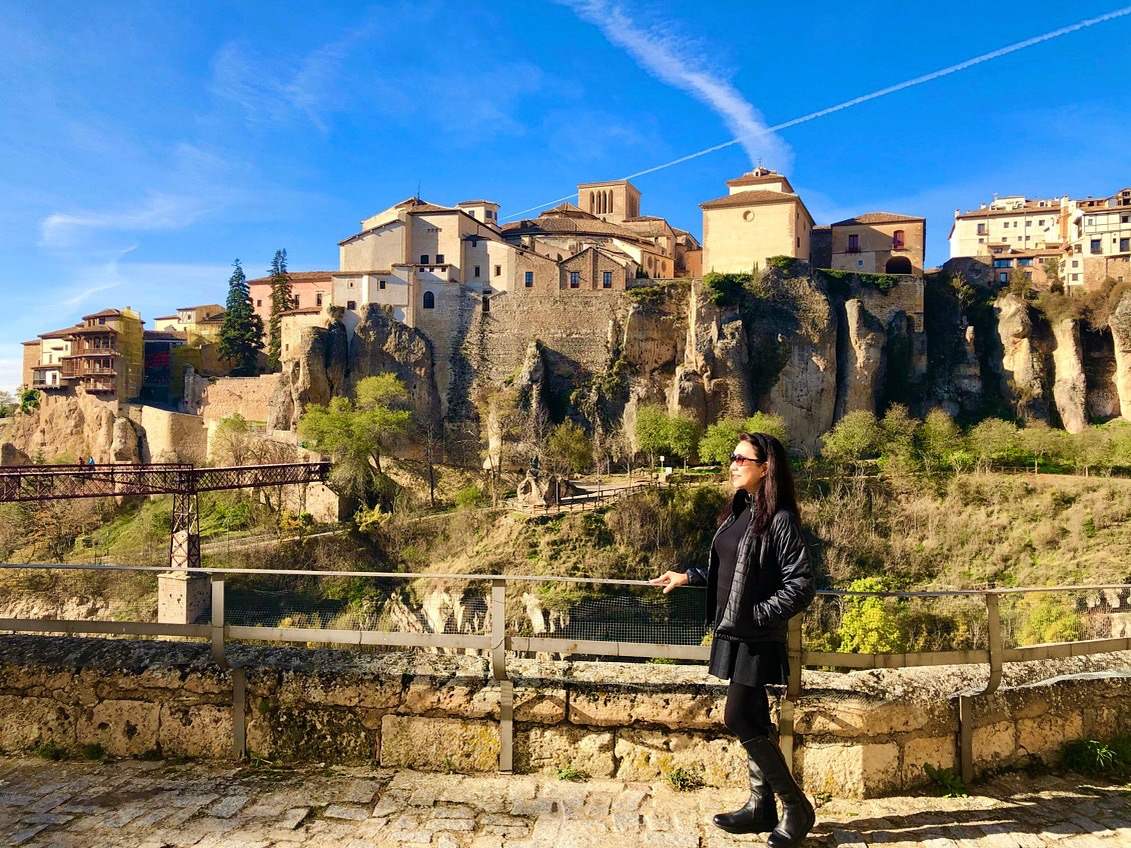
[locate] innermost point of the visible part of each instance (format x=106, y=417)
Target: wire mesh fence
x=1067, y=615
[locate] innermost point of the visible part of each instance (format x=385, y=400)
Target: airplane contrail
x=934, y=75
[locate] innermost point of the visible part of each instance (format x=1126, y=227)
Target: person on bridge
x=757, y=578
x=90, y=462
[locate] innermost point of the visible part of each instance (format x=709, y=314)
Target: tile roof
x=750, y=198
x=759, y=176
x=60, y=334
x=605, y=183
x=105, y=313
x=567, y=209
x=168, y=318
x=202, y=306
x=164, y=335
x=877, y=218
x=299, y=277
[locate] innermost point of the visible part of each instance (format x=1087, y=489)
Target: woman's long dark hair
x=777, y=491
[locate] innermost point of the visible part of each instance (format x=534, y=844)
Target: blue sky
x=144, y=146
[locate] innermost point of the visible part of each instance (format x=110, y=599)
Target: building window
x=1075, y=278
x=486, y=303
x=476, y=270
x=1005, y=225
x=897, y=240
x=607, y=279
x=1096, y=246
x=298, y=301
x=853, y=243
x=1125, y=219
x=529, y=279
x=1075, y=263
x=318, y=298
x=981, y=229
x=489, y=214
x=859, y=263
x=574, y=279
x=799, y=241
x=498, y=270
x=381, y=284
x=351, y=304
x=429, y=300
x=1025, y=261
x=1028, y=223
x=439, y=259
x=1124, y=245
x=1003, y=277
x=424, y=259
x=259, y=302
x=1003, y=263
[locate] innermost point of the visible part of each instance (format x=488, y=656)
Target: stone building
x=1089, y=238
x=103, y=354
x=1099, y=241
x=878, y=243
x=199, y=324
x=308, y=288
x=1013, y=222
x=762, y=216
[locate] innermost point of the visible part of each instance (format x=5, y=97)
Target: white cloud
x=158, y=212
x=668, y=59
x=269, y=94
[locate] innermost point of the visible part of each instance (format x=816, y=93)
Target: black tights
x=747, y=712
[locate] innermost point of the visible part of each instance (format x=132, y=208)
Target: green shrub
x=93, y=751
x=470, y=496
x=682, y=780
x=50, y=751
x=945, y=783
x=574, y=775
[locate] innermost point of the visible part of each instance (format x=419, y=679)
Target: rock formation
x=312, y=374
x=383, y=345
x=1021, y=368
x=863, y=365
x=79, y=425
x=1120, y=323
x=1069, y=389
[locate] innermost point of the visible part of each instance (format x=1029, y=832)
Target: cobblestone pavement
x=157, y=804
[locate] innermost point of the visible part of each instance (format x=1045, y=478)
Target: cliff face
x=81, y=425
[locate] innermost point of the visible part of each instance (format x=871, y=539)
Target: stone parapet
x=863, y=734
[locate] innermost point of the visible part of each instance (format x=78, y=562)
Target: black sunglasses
x=738, y=459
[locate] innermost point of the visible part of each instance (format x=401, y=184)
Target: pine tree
x=241, y=334
x=281, y=301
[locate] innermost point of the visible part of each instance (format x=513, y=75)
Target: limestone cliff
x=713, y=381
x=383, y=345
x=80, y=425
x=863, y=365
x=312, y=373
x=1120, y=323
x=1021, y=366
x=1069, y=389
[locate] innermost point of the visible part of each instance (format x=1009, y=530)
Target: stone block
x=29, y=721
x=295, y=733
x=432, y=744
x=853, y=717
x=337, y=690
x=463, y=697
x=200, y=730
x=547, y=749
x=182, y=598
x=652, y=754
x=542, y=705
x=938, y=751
x=853, y=771
x=701, y=709
x=122, y=728
x=1045, y=735
x=994, y=744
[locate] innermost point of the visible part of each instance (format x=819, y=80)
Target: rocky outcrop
x=713, y=381
x=1120, y=323
x=863, y=365
x=72, y=426
x=1021, y=368
x=1069, y=389
x=312, y=374
x=383, y=345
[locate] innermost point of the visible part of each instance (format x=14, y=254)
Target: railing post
x=967, y=703
x=499, y=672
x=792, y=691
x=239, y=674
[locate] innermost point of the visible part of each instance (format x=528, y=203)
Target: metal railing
x=497, y=635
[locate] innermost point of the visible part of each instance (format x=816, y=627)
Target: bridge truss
x=181, y=480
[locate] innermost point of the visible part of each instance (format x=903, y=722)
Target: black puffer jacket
x=772, y=581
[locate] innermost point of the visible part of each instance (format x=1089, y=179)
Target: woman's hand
x=670, y=580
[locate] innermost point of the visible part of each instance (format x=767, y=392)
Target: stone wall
x=169, y=436
x=249, y=396
x=861, y=734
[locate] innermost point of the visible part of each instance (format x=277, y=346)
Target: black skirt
x=749, y=663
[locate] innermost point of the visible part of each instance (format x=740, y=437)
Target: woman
x=758, y=578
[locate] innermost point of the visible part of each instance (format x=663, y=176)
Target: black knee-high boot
x=797, y=817
x=759, y=814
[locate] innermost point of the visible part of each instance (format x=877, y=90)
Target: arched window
x=897, y=240
x=592, y=202
x=429, y=300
